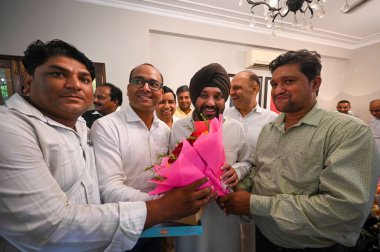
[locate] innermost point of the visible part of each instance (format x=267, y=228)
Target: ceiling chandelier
x=281, y=8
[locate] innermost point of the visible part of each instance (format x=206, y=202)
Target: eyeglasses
x=139, y=82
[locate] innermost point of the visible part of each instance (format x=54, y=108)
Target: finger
x=226, y=166
x=223, y=199
x=203, y=194
x=196, y=184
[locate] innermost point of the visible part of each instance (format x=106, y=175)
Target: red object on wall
x=273, y=107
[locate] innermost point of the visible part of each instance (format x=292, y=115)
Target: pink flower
x=200, y=155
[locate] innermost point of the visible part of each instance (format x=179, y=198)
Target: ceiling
x=355, y=29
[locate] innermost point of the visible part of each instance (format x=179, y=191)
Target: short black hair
x=145, y=64
x=183, y=88
x=168, y=90
x=309, y=61
x=37, y=53
x=344, y=101
x=115, y=93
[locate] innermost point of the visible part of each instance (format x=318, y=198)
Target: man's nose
x=73, y=82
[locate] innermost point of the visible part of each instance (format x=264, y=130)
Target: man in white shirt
x=209, y=90
x=49, y=194
x=128, y=141
x=244, y=89
x=374, y=124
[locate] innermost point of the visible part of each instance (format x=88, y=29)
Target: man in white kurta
x=244, y=89
x=209, y=90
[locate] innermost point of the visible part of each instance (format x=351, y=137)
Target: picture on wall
x=267, y=98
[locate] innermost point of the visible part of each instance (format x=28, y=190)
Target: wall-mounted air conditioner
x=260, y=58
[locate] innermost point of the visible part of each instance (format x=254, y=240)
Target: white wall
x=123, y=39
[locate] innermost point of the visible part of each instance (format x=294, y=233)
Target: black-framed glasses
x=139, y=82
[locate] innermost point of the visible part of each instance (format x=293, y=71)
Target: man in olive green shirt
x=316, y=170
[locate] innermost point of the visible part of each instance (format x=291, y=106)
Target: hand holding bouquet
x=200, y=155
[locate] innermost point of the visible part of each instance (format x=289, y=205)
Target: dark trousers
x=264, y=245
x=147, y=245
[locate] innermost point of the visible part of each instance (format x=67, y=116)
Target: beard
x=201, y=114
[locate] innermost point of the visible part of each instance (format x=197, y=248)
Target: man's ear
x=256, y=88
x=26, y=87
x=116, y=102
x=316, y=83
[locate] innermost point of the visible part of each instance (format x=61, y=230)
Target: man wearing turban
x=209, y=90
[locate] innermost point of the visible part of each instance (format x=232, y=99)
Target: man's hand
x=229, y=177
x=177, y=203
x=236, y=203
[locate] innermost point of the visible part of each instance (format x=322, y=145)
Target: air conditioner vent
x=258, y=58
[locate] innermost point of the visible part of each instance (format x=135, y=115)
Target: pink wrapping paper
x=204, y=159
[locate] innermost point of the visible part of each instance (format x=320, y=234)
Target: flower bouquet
x=199, y=155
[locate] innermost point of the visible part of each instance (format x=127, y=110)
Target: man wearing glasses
x=128, y=141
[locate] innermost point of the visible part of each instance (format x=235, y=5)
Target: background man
x=209, y=90
x=184, y=102
x=344, y=107
x=374, y=124
x=107, y=99
x=316, y=170
x=126, y=142
x=167, y=106
x=244, y=89
x=49, y=193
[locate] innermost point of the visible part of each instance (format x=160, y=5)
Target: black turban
x=213, y=75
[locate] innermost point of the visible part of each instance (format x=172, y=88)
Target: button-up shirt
x=124, y=148
x=252, y=123
x=49, y=196
x=315, y=182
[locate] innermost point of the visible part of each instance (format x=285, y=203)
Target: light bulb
x=321, y=12
x=284, y=10
x=304, y=7
x=240, y=2
x=345, y=7
x=314, y=4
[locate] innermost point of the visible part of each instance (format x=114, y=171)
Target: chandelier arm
x=311, y=12
x=279, y=13
x=254, y=4
x=274, y=17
